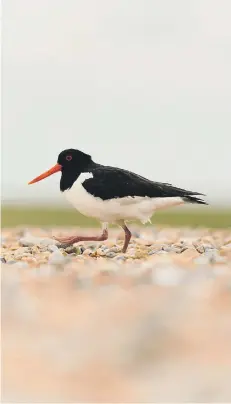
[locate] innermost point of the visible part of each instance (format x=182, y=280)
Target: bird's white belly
x=112, y=210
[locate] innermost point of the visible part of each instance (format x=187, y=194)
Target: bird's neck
x=68, y=177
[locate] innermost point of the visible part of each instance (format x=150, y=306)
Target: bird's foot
x=68, y=240
x=76, y=239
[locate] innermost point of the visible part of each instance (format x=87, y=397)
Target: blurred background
x=144, y=85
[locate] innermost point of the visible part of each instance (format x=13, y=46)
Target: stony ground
x=88, y=323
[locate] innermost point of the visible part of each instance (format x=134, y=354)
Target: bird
x=112, y=195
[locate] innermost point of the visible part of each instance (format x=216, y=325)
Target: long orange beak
x=52, y=170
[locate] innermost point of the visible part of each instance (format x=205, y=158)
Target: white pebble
x=47, y=241
x=110, y=254
x=57, y=258
x=30, y=240
x=52, y=248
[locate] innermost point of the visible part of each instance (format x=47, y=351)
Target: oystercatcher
x=112, y=195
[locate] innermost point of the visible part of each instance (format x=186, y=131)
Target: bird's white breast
x=115, y=209
x=80, y=198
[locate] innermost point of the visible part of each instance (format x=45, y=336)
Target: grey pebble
x=29, y=241
x=11, y=262
x=110, y=254
x=57, y=258
x=73, y=250
x=3, y=260
x=88, y=251
x=52, y=248
x=62, y=245
x=174, y=248
x=47, y=241
x=103, y=247
x=155, y=251
x=119, y=258
x=115, y=249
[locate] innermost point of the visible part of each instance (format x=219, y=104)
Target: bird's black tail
x=194, y=199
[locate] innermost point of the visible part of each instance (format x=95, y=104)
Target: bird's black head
x=71, y=162
x=72, y=159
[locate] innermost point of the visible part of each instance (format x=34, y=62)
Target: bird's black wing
x=109, y=182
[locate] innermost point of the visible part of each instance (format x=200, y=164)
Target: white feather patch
x=113, y=210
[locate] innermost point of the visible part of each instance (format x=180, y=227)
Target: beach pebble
x=73, y=250
x=88, y=251
x=115, y=249
x=191, y=249
x=3, y=260
x=101, y=252
x=52, y=247
x=47, y=241
x=110, y=254
x=154, y=251
x=57, y=258
x=30, y=240
x=119, y=258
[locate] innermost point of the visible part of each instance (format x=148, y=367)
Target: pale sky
x=140, y=84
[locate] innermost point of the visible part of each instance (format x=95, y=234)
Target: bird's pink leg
x=128, y=235
x=76, y=239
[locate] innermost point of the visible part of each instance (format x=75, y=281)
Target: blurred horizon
x=145, y=87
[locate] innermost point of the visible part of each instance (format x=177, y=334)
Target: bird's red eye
x=69, y=158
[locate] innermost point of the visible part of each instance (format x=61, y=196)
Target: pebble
x=57, y=258
x=3, y=260
x=88, y=251
x=119, y=258
x=168, y=247
x=100, y=252
x=115, y=249
x=73, y=250
x=48, y=241
x=52, y=248
x=155, y=251
x=30, y=240
x=110, y=254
